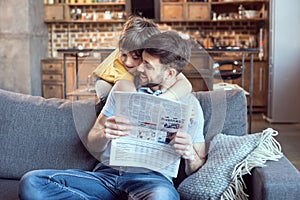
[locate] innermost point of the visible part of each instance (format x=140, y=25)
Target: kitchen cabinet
x=84, y=11
x=197, y=11
x=56, y=13
x=260, y=84
x=172, y=11
x=53, y=76
x=184, y=11
x=189, y=10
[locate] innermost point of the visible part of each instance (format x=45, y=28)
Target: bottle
x=261, y=45
x=107, y=15
x=89, y=82
x=241, y=11
x=95, y=16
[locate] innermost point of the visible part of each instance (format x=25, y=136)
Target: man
x=157, y=74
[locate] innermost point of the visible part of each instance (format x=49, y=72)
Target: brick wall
x=84, y=35
x=94, y=35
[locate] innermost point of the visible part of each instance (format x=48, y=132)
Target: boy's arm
x=125, y=86
x=181, y=88
x=106, y=63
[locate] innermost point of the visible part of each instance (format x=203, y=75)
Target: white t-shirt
x=195, y=128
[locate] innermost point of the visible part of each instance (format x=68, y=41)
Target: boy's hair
x=135, y=31
x=171, y=49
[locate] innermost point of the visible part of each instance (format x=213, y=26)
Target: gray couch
x=38, y=133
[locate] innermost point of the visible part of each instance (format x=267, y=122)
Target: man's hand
x=183, y=145
x=194, y=154
x=116, y=127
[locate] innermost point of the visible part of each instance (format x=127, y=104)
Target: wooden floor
x=288, y=137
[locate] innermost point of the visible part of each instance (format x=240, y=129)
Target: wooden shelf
x=201, y=11
x=222, y=20
x=240, y=2
x=61, y=12
x=239, y=20
x=86, y=21
x=97, y=4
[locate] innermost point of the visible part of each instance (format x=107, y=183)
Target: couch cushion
x=224, y=112
x=38, y=133
x=9, y=189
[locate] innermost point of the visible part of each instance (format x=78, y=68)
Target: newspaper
x=155, y=120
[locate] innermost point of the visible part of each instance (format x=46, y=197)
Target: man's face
x=130, y=60
x=151, y=71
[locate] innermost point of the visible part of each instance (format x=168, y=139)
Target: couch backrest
x=224, y=112
x=38, y=133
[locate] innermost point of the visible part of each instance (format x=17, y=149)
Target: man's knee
x=164, y=193
x=29, y=184
x=158, y=192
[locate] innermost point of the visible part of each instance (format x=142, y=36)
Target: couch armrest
x=278, y=180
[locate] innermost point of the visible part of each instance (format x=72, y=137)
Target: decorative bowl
x=251, y=14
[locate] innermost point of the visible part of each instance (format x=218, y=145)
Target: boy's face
x=130, y=60
x=151, y=71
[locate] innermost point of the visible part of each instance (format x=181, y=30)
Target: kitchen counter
x=232, y=49
x=84, y=50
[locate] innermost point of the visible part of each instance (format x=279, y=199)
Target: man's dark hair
x=135, y=31
x=171, y=49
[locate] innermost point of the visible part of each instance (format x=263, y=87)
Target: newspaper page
x=155, y=120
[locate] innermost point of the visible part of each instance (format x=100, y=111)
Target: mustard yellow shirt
x=112, y=69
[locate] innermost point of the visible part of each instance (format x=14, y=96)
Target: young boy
x=122, y=63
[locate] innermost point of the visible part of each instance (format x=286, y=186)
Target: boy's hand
x=116, y=127
x=169, y=95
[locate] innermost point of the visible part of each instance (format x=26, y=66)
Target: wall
x=23, y=39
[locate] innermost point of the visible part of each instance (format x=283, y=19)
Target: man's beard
x=152, y=84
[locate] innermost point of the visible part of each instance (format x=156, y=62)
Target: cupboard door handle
x=50, y=66
x=260, y=79
x=50, y=77
x=51, y=88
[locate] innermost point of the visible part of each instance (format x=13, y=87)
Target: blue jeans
x=105, y=183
